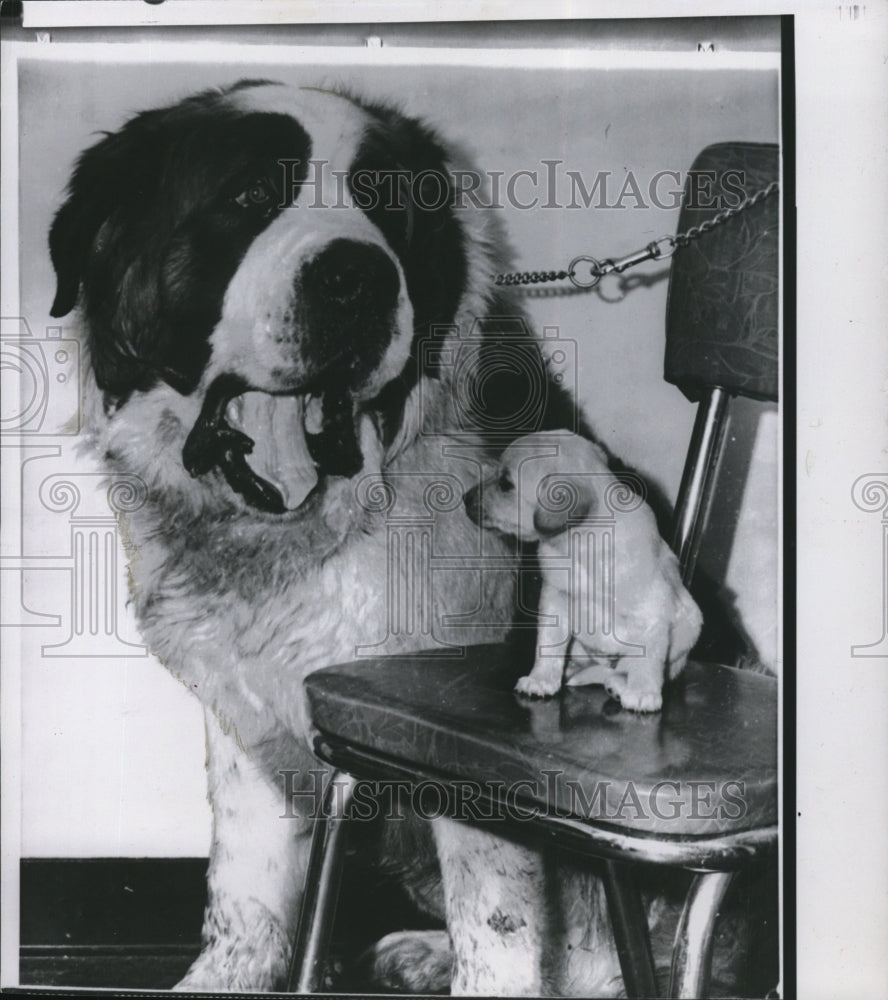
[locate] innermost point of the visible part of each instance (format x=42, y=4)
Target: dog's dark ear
x=107, y=176
x=75, y=225
x=562, y=499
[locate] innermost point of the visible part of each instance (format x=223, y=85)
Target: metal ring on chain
x=594, y=270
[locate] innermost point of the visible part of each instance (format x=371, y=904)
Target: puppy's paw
x=538, y=686
x=631, y=698
x=410, y=962
x=642, y=701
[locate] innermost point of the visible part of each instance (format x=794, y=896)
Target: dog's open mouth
x=273, y=450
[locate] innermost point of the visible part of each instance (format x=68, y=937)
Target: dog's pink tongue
x=275, y=424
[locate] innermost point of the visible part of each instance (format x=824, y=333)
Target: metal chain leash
x=598, y=269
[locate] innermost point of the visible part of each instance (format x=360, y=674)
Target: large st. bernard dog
x=259, y=273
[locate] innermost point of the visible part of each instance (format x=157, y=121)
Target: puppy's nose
x=348, y=275
x=473, y=508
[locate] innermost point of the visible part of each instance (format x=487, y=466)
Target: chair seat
x=705, y=766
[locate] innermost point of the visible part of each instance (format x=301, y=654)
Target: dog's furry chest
x=243, y=635
x=242, y=626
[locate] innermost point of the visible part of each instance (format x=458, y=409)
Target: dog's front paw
x=642, y=701
x=634, y=699
x=409, y=962
x=236, y=964
x=536, y=686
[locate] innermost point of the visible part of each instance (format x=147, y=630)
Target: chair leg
x=322, y=879
x=698, y=479
x=692, y=951
x=631, y=933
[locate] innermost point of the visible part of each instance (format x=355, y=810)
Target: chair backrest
x=722, y=313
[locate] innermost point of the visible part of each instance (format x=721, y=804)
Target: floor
x=135, y=924
x=106, y=922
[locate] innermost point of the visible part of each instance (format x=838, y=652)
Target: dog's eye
x=257, y=195
x=505, y=483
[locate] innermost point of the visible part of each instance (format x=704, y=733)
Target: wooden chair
x=427, y=717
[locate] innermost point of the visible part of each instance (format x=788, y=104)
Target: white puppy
x=610, y=582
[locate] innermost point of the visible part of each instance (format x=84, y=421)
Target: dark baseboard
x=122, y=922
x=134, y=923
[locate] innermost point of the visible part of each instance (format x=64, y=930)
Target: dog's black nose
x=348, y=275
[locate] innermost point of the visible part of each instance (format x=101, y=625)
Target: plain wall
x=113, y=749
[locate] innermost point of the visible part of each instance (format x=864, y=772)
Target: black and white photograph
x=399, y=507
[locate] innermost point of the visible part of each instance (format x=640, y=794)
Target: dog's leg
x=494, y=894
x=638, y=680
x=585, y=963
x=257, y=866
x=522, y=921
x=548, y=669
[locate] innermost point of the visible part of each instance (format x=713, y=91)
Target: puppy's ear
x=562, y=499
